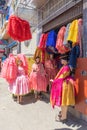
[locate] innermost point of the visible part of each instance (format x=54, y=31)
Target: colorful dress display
x=62, y=91
x=21, y=85
x=38, y=79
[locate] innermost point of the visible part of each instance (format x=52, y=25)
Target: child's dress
x=21, y=85
x=38, y=79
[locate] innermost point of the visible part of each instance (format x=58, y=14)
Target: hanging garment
x=43, y=39
x=42, y=54
x=51, y=40
x=60, y=38
x=74, y=54
x=38, y=52
x=65, y=42
x=18, y=29
x=73, y=32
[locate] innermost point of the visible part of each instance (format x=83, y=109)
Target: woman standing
x=62, y=92
x=38, y=81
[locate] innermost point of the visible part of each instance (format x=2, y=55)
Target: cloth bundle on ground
x=18, y=29
x=9, y=69
x=60, y=38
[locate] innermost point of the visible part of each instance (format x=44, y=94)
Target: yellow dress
x=68, y=94
x=73, y=32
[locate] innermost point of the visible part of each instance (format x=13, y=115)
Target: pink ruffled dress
x=38, y=79
x=21, y=85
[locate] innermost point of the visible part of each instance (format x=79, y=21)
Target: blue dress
x=51, y=40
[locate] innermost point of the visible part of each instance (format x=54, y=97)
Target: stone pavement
x=32, y=115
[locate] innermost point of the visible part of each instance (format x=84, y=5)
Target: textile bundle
x=60, y=38
x=73, y=32
x=18, y=29
x=43, y=39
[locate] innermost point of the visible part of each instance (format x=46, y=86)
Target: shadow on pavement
x=30, y=98
x=74, y=122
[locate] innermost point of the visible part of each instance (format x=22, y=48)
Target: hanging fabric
x=65, y=42
x=73, y=32
x=43, y=39
x=60, y=38
x=51, y=40
x=18, y=29
x=42, y=54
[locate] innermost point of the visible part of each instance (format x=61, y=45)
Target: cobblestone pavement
x=32, y=115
